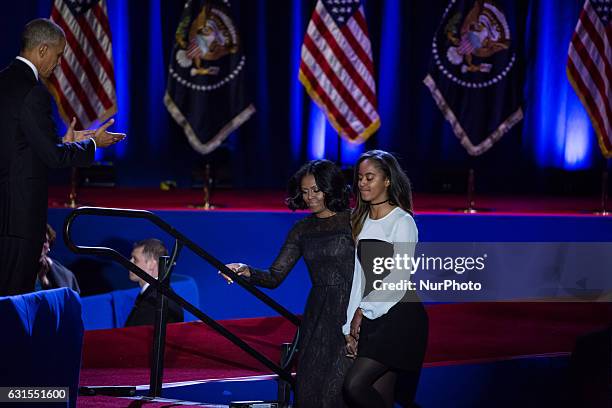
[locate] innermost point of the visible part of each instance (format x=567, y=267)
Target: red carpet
x=258, y=200
x=459, y=333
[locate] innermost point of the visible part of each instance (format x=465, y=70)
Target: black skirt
x=397, y=339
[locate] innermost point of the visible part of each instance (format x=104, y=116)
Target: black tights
x=369, y=384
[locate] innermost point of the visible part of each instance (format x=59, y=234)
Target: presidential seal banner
x=206, y=94
x=476, y=74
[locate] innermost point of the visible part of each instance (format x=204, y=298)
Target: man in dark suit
x=29, y=146
x=145, y=255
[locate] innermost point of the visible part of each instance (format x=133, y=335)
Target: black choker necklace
x=382, y=202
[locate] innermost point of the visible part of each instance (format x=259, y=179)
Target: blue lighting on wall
x=43, y=8
x=261, y=64
x=118, y=18
x=316, y=133
x=563, y=136
x=296, y=89
x=157, y=79
x=351, y=152
x=580, y=137
x=387, y=72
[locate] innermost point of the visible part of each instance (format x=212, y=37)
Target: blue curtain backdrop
x=289, y=129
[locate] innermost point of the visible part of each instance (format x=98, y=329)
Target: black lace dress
x=328, y=250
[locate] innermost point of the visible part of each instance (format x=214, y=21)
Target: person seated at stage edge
x=145, y=255
x=52, y=274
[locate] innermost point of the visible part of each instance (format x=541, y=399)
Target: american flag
x=337, y=70
x=84, y=84
x=589, y=67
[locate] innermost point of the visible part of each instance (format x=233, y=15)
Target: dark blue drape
x=289, y=129
x=42, y=341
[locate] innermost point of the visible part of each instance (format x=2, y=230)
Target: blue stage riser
x=255, y=238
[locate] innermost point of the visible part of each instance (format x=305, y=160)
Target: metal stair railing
x=164, y=291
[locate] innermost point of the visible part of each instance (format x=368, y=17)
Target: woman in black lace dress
x=325, y=242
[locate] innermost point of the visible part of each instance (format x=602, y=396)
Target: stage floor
x=273, y=200
x=505, y=354
x=459, y=334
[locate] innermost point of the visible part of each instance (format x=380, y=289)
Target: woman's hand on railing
x=240, y=268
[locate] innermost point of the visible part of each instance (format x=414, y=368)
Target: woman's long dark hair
x=330, y=181
x=399, y=190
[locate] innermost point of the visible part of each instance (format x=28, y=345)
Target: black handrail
x=166, y=289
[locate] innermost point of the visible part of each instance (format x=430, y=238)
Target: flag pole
x=339, y=151
x=604, y=190
x=604, y=193
x=206, y=187
x=72, y=196
x=470, y=192
x=207, y=183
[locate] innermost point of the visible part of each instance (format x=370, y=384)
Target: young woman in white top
x=386, y=330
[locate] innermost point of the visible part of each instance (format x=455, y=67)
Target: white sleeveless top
x=396, y=227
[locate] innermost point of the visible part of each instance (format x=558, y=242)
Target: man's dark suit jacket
x=143, y=312
x=29, y=146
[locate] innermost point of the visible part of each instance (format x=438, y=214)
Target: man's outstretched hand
x=76, y=135
x=102, y=137
x=105, y=138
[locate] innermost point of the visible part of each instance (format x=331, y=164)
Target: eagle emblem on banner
x=208, y=38
x=206, y=93
x=483, y=33
x=476, y=74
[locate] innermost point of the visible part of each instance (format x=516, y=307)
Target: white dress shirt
x=144, y=287
x=29, y=63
